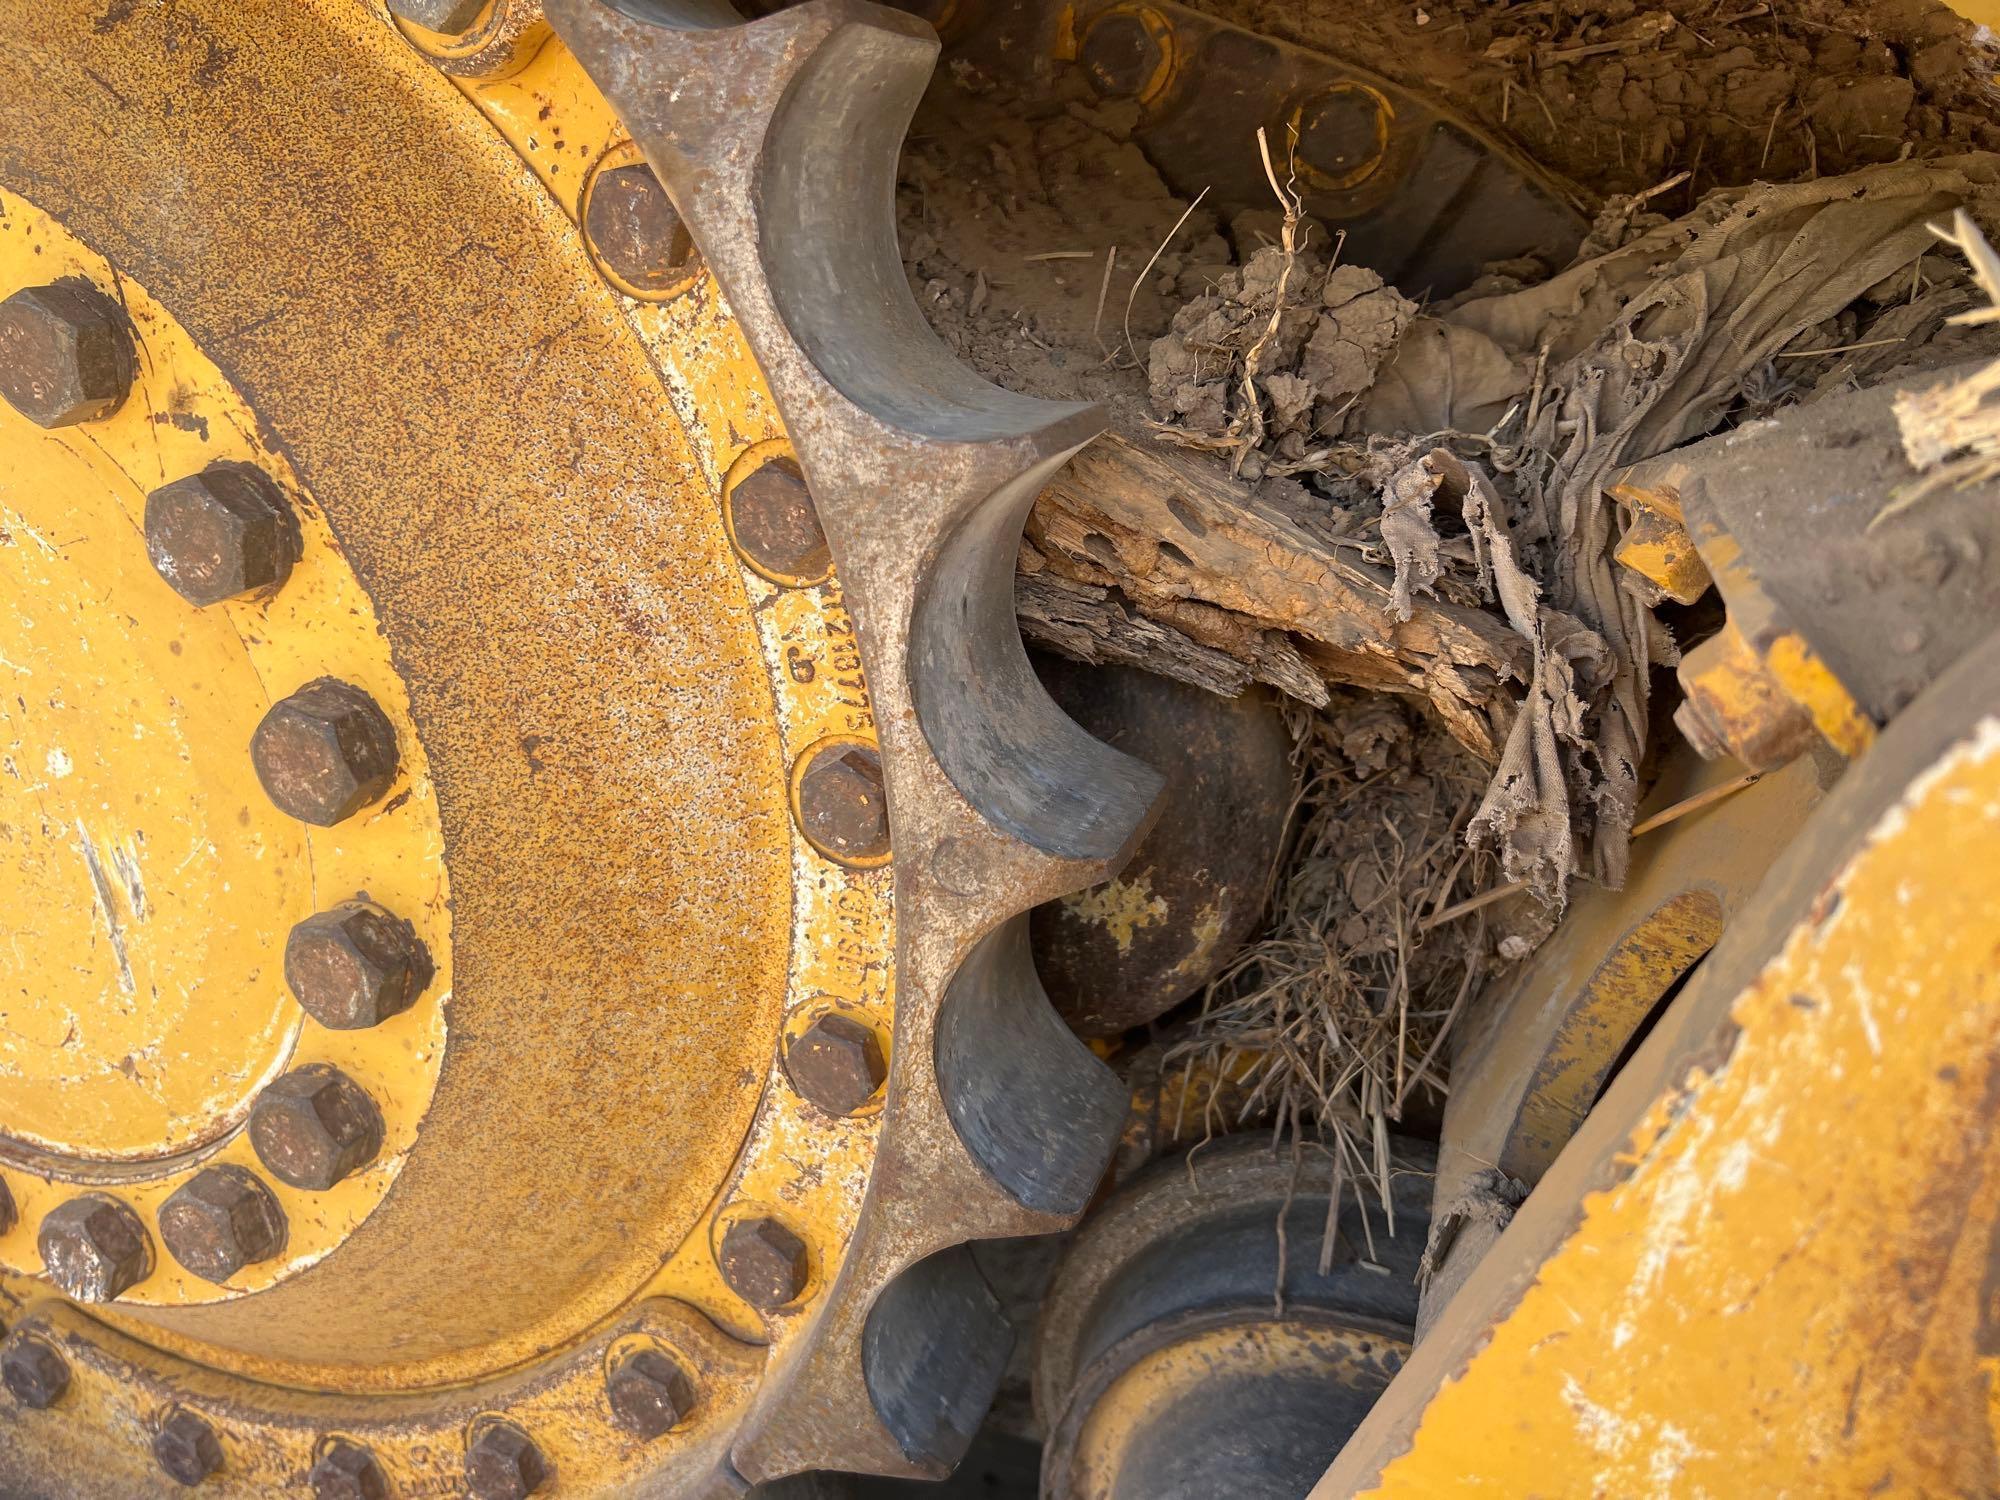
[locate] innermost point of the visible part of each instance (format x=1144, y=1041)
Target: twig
x=1474, y=903
x=1140, y=280
x=1103, y=290
x=1062, y=255
x=1696, y=803
x=1839, y=349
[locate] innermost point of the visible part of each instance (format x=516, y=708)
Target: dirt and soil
x=1446, y=463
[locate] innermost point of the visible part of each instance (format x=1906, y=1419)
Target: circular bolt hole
x=65, y=354
x=220, y=1221
x=325, y=753
x=94, y=1248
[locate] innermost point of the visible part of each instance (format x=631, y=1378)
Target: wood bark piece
x=1206, y=572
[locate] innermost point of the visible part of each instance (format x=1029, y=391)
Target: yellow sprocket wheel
x=518, y=780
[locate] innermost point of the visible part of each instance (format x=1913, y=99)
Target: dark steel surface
x=94, y=1247
x=355, y=965
x=220, y=534
x=649, y=1393
x=1127, y=953
x=325, y=753
x=65, y=354
x=763, y=1262
x=187, y=1448
x=315, y=1126
x=220, y=1221
x=33, y=1372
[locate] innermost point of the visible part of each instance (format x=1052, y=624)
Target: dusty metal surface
x=1700, y=1295
x=1126, y=952
x=1201, y=1338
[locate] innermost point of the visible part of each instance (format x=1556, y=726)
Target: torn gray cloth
x=1614, y=361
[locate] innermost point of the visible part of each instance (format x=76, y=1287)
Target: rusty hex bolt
x=347, y=1471
x=95, y=1248
x=315, y=1126
x=764, y=1262
x=356, y=965
x=34, y=1374
x=325, y=753
x=187, y=1448
x=842, y=808
x=9, y=1214
x=503, y=1463
x=1120, y=55
x=447, y=17
x=65, y=354
x=649, y=1393
x=774, y=522
x=837, y=1064
x=636, y=231
x=222, y=533
x=220, y=1221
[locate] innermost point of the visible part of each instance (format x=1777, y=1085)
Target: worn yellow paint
x=124, y=754
x=1786, y=1291
x=844, y=919
x=1656, y=544
x=1121, y=907
x=1808, y=680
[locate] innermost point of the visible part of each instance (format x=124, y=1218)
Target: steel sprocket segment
x=778, y=140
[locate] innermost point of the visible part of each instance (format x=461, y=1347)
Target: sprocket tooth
x=778, y=140
x=1029, y=1100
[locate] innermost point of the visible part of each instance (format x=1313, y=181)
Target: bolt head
x=1339, y=132
x=356, y=965
x=65, y=354
x=347, y=1471
x=1120, y=55
x=187, y=1448
x=95, y=1248
x=9, y=1214
x=764, y=1263
x=837, y=1064
x=774, y=522
x=34, y=1374
x=315, y=1126
x=842, y=807
x=447, y=17
x=325, y=753
x=220, y=1221
x=649, y=1393
x=220, y=534
x=503, y=1463
x=637, y=232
